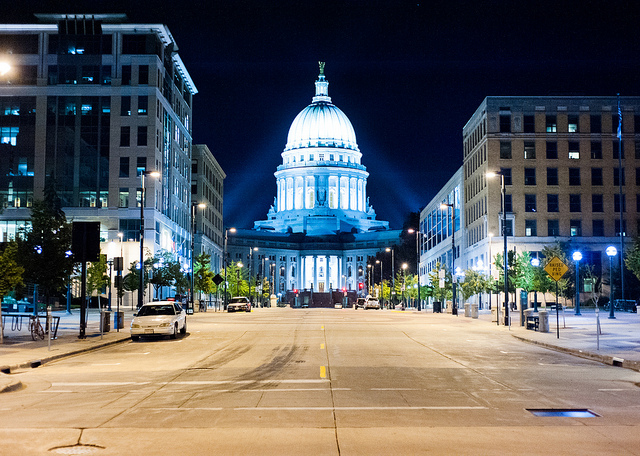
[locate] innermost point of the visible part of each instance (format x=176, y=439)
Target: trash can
x=106, y=321
x=474, y=310
x=467, y=309
x=118, y=320
x=543, y=326
x=437, y=307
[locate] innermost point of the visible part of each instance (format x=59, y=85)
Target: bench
x=533, y=322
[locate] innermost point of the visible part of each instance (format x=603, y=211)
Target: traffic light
x=361, y=286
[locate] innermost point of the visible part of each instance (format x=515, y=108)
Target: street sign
x=217, y=279
x=556, y=268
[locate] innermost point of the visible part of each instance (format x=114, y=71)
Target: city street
x=324, y=382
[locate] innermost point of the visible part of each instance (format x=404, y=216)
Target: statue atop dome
x=321, y=64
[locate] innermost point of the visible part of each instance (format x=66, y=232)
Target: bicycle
x=35, y=328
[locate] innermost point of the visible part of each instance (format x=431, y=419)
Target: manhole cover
x=566, y=413
x=77, y=449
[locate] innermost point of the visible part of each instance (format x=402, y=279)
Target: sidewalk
x=618, y=344
x=19, y=351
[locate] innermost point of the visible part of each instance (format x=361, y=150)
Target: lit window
x=574, y=150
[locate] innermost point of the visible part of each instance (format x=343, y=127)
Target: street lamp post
x=381, y=286
x=535, y=263
x=142, y=203
x=418, y=233
x=404, y=281
x=611, y=252
x=393, y=274
x=452, y=205
x=251, y=249
x=238, y=278
x=369, y=278
x=504, y=236
x=225, y=265
x=577, y=256
x=490, y=235
x=193, y=235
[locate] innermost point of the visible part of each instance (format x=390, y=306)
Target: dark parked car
x=625, y=305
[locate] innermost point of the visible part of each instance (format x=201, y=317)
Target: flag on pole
x=619, y=119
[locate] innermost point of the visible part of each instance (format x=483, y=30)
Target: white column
x=315, y=272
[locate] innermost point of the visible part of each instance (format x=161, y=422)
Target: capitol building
x=321, y=230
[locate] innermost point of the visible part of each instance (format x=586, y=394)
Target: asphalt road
x=323, y=382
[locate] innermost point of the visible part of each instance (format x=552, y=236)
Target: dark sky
x=407, y=74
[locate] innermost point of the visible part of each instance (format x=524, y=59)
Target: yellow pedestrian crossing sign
x=556, y=268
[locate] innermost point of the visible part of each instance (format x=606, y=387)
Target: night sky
x=407, y=74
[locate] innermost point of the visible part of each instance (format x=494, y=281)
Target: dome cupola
x=321, y=124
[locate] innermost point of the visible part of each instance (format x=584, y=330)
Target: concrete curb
x=12, y=385
x=604, y=359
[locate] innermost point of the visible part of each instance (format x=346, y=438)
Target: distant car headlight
x=135, y=325
x=164, y=325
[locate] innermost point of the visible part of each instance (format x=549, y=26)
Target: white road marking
x=98, y=383
x=396, y=389
x=346, y=409
x=242, y=382
x=612, y=389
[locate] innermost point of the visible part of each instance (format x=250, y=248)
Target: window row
x=574, y=178
x=575, y=228
x=590, y=124
x=573, y=149
x=575, y=203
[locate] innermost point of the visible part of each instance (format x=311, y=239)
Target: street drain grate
x=566, y=413
x=77, y=449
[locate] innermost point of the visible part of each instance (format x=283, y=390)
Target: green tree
x=97, y=277
x=10, y=271
x=203, y=275
x=131, y=281
x=632, y=258
x=238, y=286
x=474, y=283
x=44, y=246
x=165, y=272
x=438, y=293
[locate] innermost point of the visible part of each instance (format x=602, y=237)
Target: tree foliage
x=203, y=275
x=10, y=271
x=97, y=277
x=44, y=247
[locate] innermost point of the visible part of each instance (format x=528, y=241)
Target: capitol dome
x=321, y=124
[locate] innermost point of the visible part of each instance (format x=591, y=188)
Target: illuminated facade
x=321, y=230
x=565, y=179
x=90, y=103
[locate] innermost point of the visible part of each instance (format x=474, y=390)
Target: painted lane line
x=98, y=383
x=294, y=409
x=321, y=346
x=365, y=408
x=241, y=382
x=396, y=389
x=323, y=372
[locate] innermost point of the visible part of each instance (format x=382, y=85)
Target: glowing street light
x=577, y=256
x=611, y=252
